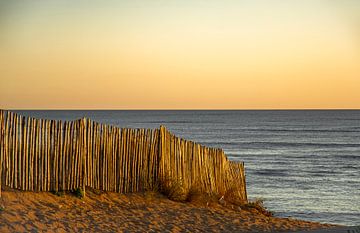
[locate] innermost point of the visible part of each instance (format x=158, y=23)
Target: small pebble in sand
x=236, y=221
x=222, y=201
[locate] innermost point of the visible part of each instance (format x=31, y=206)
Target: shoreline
x=139, y=212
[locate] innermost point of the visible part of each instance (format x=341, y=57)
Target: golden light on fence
x=49, y=155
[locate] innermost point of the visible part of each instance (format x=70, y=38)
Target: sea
x=304, y=164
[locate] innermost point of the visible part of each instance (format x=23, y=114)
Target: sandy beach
x=139, y=212
x=180, y=116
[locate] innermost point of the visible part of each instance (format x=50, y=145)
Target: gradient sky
x=180, y=54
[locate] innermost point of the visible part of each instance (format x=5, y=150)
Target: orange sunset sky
x=180, y=54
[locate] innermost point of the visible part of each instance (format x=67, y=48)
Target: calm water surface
x=305, y=164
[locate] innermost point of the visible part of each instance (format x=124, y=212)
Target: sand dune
x=141, y=212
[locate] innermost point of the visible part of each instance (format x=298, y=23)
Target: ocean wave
x=264, y=144
x=271, y=172
x=301, y=144
x=306, y=130
x=344, y=156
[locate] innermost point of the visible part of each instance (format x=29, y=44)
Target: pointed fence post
x=162, y=154
x=83, y=126
x=244, y=181
x=1, y=145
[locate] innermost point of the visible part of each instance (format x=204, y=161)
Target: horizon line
x=180, y=109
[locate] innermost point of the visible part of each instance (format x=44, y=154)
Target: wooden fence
x=50, y=155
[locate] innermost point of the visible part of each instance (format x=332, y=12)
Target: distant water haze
x=305, y=164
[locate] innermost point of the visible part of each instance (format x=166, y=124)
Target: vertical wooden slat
x=110, y=161
x=74, y=156
x=97, y=158
x=84, y=153
x=48, y=154
x=127, y=179
x=31, y=154
x=37, y=152
x=108, y=158
x=67, y=155
x=90, y=154
x=42, y=143
x=56, y=155
x=1, y=146
x=122, y=159
x=6, y=150
x=105, y=160
x=28, y=154
x=114, y=158
x=118, y=157
x=11, y=152
x=61, y=156
x=135, y=159
x=41, y=155
x=26, y=145
x=16, y=140
x=118, y=160
x=78, y=155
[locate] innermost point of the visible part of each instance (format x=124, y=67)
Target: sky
x=270, y=54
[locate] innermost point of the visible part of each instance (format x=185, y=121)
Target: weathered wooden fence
x=49, y=155
x=193, y=165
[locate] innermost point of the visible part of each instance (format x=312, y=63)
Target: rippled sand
x=142, y=212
